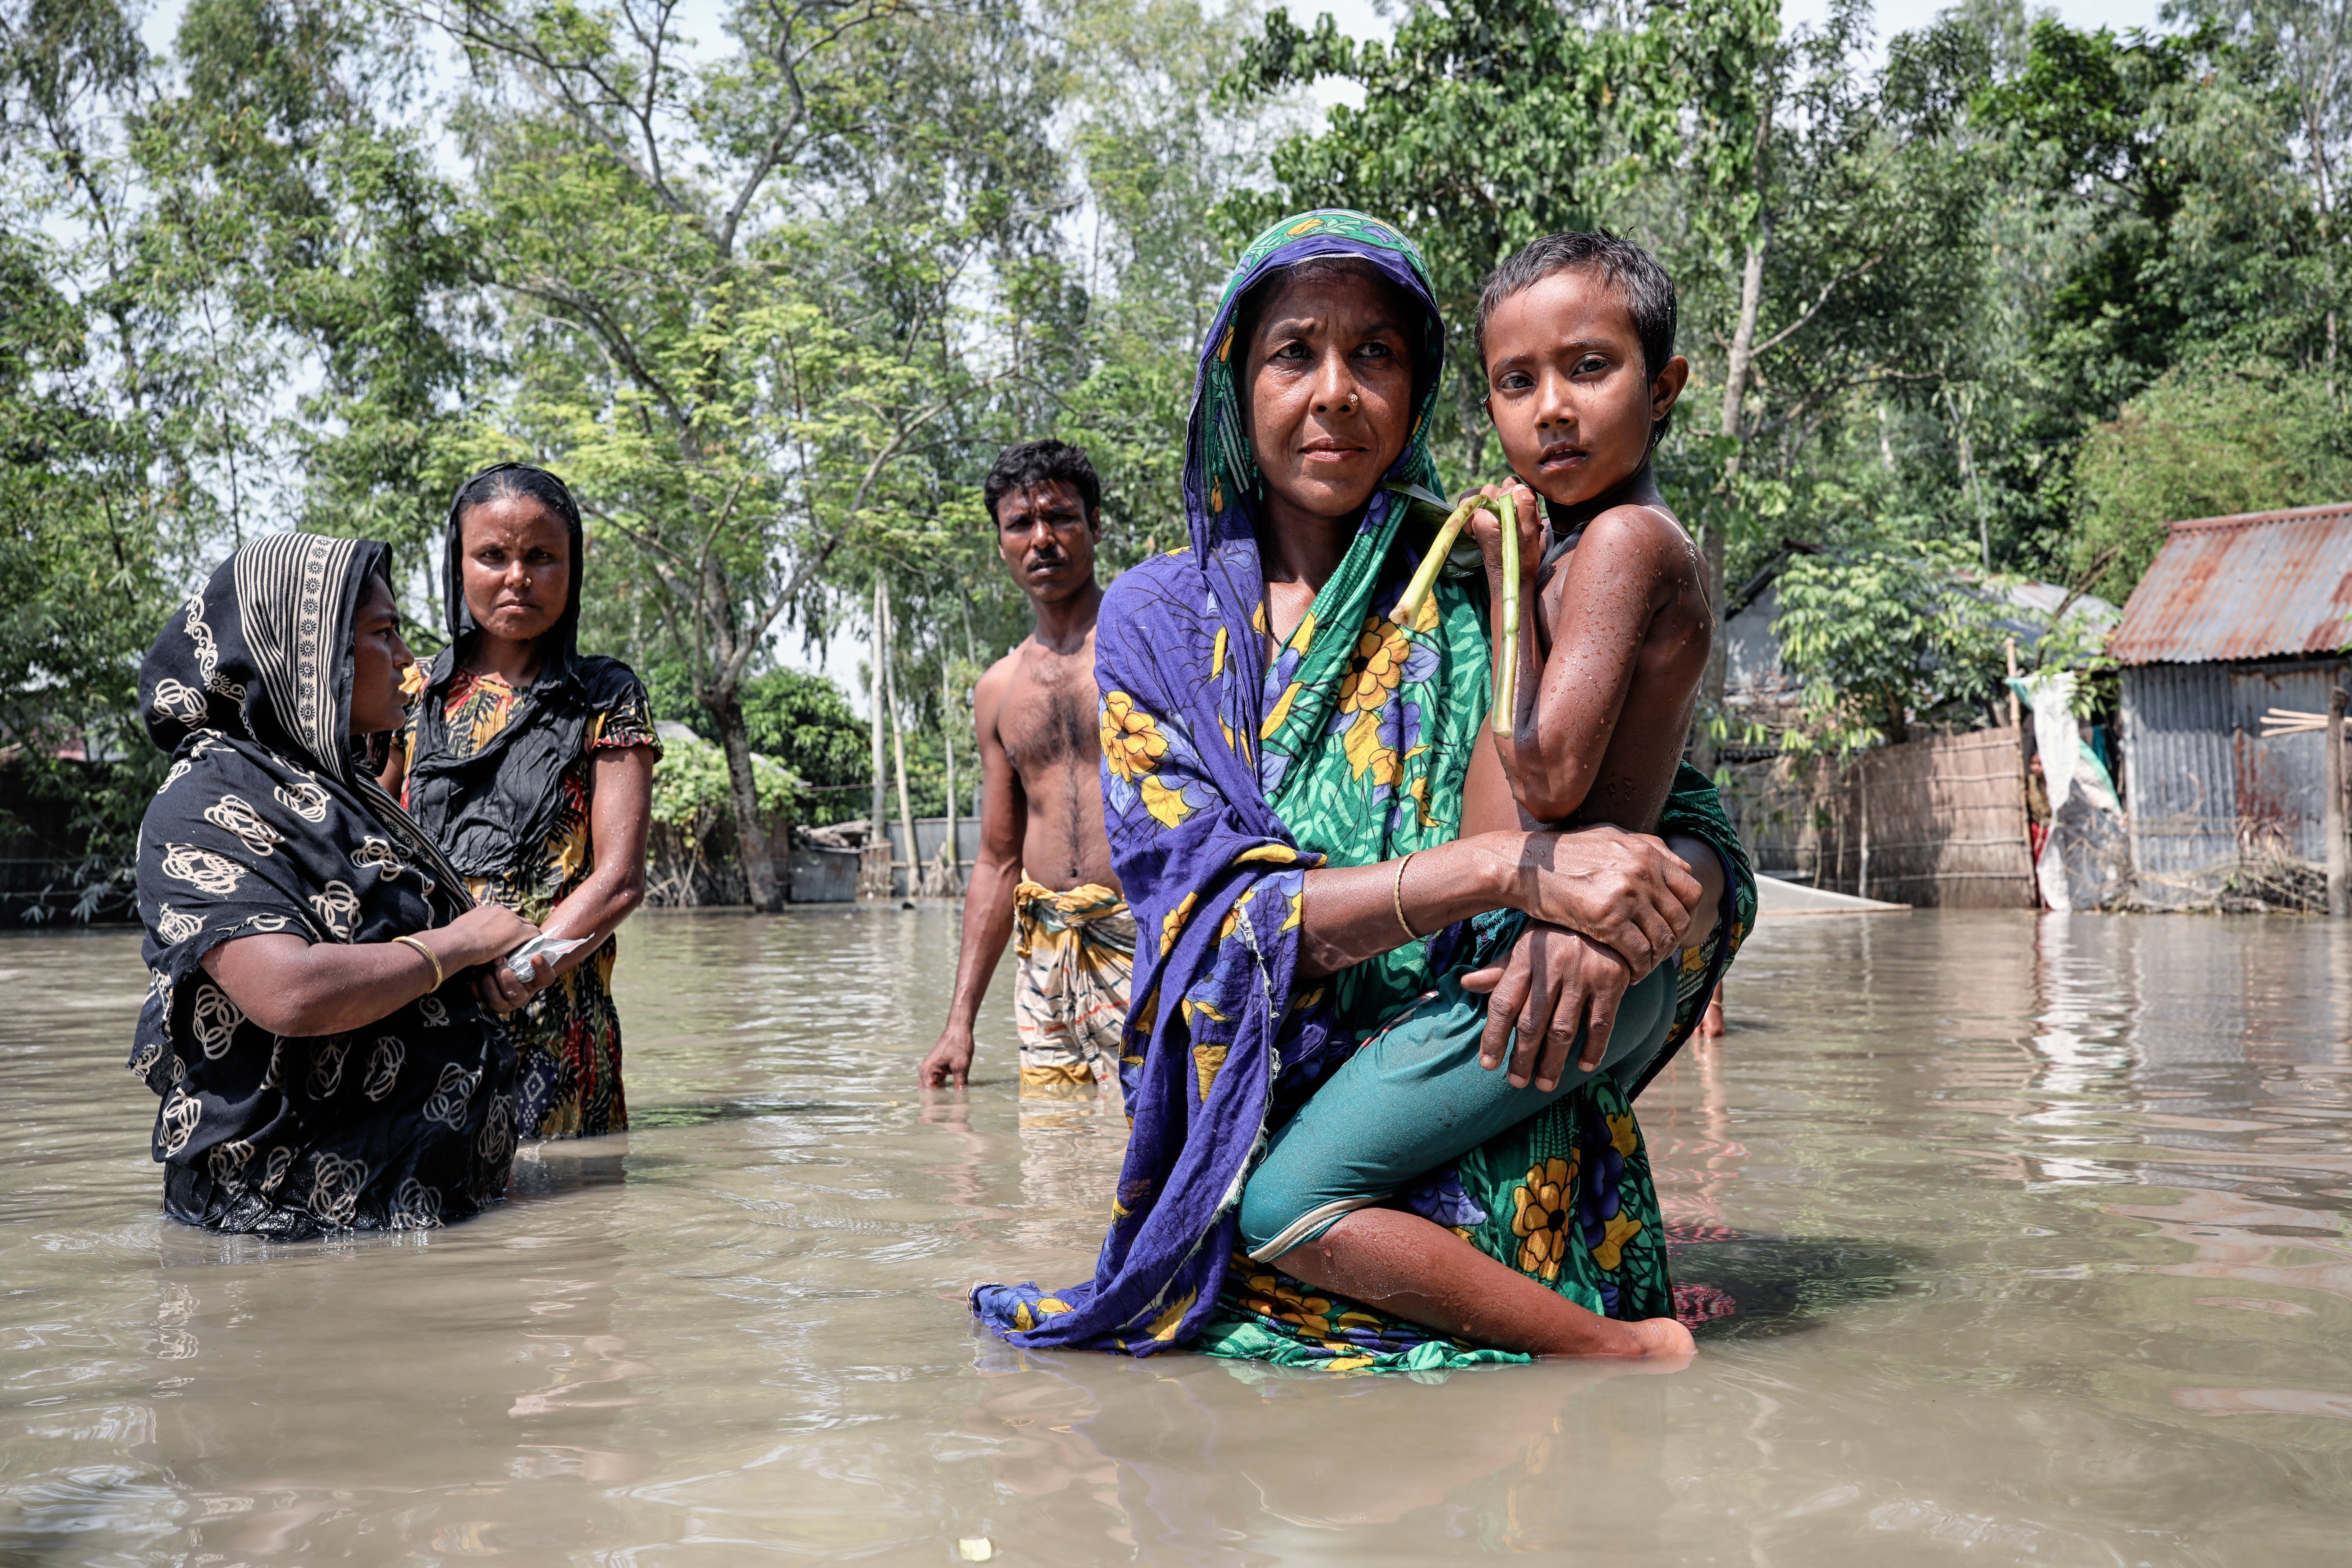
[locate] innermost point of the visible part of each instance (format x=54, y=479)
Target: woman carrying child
x=1285, y=773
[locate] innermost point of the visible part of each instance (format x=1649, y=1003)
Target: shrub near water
x=691, y=851
x=1885, y=638
x=801, y=720
x=2208, y=442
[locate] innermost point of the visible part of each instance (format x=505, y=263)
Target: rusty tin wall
x=2203, y=788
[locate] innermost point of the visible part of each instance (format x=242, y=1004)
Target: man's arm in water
x=988, y=899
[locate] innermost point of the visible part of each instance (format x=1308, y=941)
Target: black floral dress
x=568, y=1039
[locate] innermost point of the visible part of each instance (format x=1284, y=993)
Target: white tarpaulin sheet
x=2082, y=862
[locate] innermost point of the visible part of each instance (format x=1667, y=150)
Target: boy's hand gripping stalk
x=1426, y=576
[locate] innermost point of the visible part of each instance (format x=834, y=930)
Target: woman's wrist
x=457, y=948
x=1490, y=869
x=1484, y=873
x=432, y=960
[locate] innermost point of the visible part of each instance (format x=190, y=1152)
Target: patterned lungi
x=1078, y=956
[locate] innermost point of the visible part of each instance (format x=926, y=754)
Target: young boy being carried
x=1577, y=336
x=1576, y=333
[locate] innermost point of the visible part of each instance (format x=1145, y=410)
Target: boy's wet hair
x=1633, y=272
x=1027, y=463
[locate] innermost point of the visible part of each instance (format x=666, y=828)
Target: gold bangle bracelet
x=430, y=957
x=1397, y=894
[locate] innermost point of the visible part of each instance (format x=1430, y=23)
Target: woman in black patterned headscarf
x=317, y=1026
x=532, y=764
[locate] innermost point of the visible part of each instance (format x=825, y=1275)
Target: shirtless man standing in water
x=1043, y=859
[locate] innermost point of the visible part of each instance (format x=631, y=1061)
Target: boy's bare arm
x=1605, y=683
x=988, y=900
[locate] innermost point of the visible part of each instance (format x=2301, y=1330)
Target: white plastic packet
x=541, y=946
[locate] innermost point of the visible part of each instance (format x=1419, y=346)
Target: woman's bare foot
x=1425, y=1274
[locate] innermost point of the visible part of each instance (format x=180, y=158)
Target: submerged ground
x=2038, y=1229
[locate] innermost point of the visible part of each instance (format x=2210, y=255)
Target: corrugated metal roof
x=2243, y=587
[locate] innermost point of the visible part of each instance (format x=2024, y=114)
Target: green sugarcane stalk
x=1426, y=576
x=1507, y=676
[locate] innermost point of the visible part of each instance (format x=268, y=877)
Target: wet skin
x=1040, y=749
x=1037, y=705
x=1622, y=627
x=1615, y=638
x=1329, y=386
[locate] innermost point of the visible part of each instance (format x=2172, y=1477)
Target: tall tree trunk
x=898, y=750
x=1968, y=472
x=951, y=852
x=751, y=837
x=881, y=642
x=1735, y=391
x=1743, y=340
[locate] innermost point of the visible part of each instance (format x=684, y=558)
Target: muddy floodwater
x=2039, y=1233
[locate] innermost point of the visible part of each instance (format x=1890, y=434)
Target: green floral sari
x=1226, y=777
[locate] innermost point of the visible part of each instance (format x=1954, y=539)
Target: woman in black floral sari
x=532, y=764
x=317, y=1023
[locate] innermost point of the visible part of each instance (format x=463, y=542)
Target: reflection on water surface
x=2038, y=1231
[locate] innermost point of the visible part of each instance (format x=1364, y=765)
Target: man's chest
x=1048, y=718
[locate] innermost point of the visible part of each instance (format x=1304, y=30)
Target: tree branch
x=1831, y=287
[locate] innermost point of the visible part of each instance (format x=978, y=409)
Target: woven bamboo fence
x=1940, y=821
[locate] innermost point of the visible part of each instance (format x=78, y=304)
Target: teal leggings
x=1412, y=1098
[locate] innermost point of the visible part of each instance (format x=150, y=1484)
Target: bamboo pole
x=1844, y=816
x=898, y=748
x=881, y=642
x=2024, y=783
x=1862, y=889
x=2339, y=894
x=871, y=883
x=951, y=867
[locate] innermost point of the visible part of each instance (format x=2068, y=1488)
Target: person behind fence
x=1044, y=863
x=318, y=1022
x=1285, y=768
x=531, y=765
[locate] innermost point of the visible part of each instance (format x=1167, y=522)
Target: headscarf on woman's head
x=269, y=823
x=260, y=657
x=262, y=652
x=493, y=809
x=1223, y=500
x=1221, y=475
x=1282, y=719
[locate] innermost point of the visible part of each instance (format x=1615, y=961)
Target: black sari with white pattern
x=269, y=821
